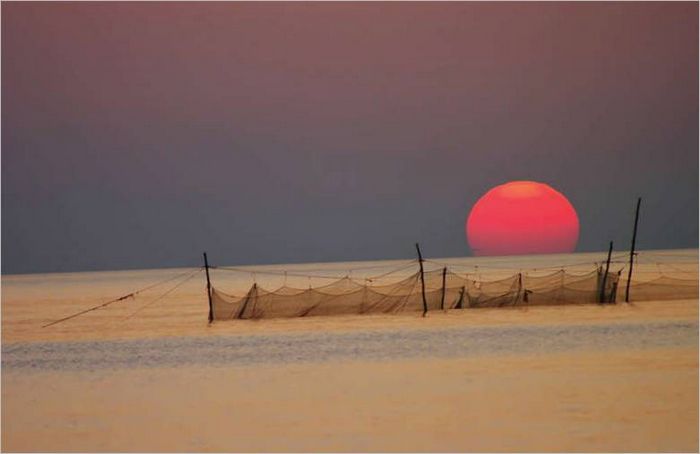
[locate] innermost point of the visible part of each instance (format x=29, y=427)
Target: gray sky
x=137, y=135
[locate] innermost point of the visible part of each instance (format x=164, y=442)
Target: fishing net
x=442, y=289
x=662, y=288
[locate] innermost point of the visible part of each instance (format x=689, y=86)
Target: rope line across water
x=121, y=298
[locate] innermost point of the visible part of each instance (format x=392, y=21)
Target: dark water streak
x=338, y=346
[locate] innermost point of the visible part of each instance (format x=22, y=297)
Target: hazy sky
x=137, y=135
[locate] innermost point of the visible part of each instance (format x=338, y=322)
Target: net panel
x=662, y=288
x=443, y=290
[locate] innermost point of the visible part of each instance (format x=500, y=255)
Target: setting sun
x=522, y=217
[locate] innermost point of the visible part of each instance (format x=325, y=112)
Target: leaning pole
x=422, y=280
x=601, y=297
x=634, y=240
x=206, y=268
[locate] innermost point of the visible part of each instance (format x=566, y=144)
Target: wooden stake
x=601, y=299
x=206, y=268
x=422, y=280
x=442, y=298
x=251, y=294
x=634, y=239
x=461, y=298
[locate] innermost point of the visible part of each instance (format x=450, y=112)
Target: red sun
x=522, y=217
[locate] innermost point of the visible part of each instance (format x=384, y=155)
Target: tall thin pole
x=442, y=298
x=206, y=268
x=422, y=280
x=634, y=240
x=605, y=276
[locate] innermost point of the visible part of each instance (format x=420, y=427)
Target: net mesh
x=444, y=289
x=662, y=288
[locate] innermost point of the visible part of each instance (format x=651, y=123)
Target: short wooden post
x=461, y=298
x=206, y=268
x=634, y=239
x=442, y=298
x=613, y=296
x=252, y=293
x=422, y=280
x=602, y=298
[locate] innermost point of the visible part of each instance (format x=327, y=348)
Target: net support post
x=206, y=268
x=634, y=240
x=520, y=288
x=442, y=297
x=601, y=298
x=422, y=280
x=461, y=298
